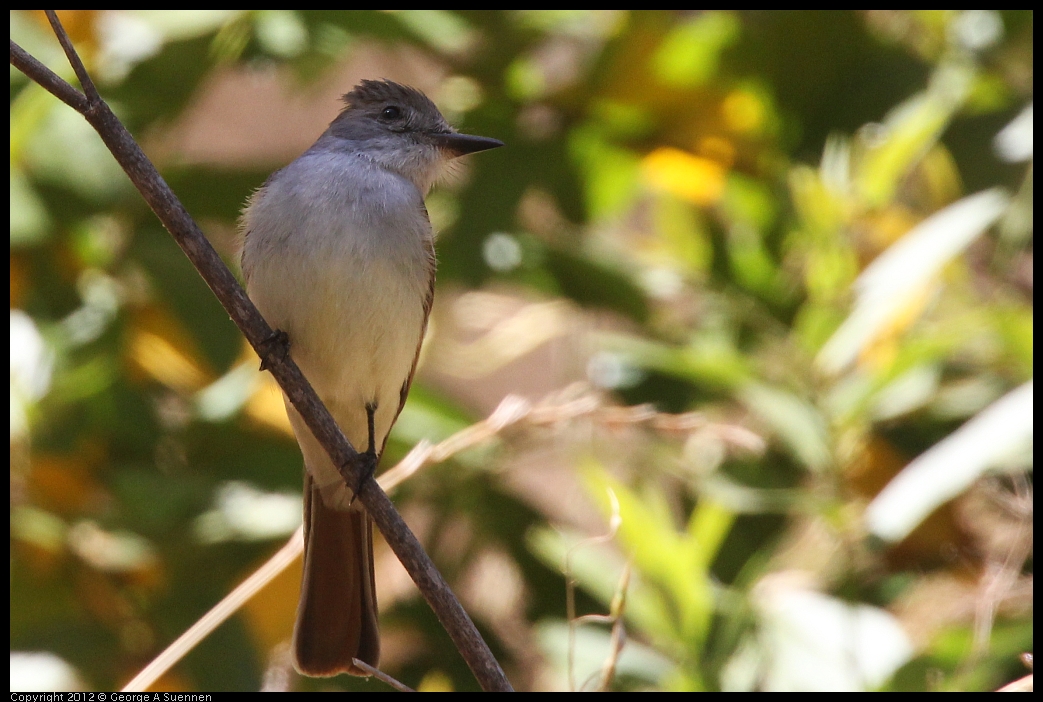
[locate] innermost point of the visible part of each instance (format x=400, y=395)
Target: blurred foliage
x=818, y=225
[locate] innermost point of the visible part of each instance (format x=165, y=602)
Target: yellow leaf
x=697, y=180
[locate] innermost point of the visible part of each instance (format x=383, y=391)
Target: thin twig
x=74, y=59
x=382, y=676
x=614, y=523
x=558, y=408
x=48, y=79
x=618, y=638
x=218, y=614
x=177, y=221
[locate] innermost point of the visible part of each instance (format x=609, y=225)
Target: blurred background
x=813, y=230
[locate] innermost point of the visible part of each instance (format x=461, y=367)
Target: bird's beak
x=461, y=144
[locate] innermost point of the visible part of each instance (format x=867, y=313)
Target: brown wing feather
x=429, y=300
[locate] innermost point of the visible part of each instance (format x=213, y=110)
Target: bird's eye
x=391, y=112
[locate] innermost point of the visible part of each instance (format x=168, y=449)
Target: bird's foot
x=275, y=347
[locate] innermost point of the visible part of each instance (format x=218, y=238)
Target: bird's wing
x=428, y=301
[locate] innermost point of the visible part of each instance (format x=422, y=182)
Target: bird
x=338, y=256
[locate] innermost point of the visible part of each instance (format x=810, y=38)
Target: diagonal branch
x=48, y=79
x=179, y=223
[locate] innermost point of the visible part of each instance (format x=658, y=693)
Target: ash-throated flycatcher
x=338, y=254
